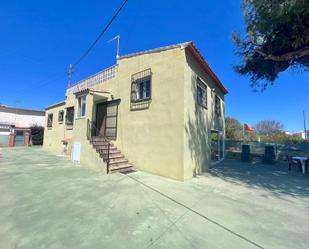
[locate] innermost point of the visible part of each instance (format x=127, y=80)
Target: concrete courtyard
x=48, y=202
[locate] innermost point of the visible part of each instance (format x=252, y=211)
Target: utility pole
x=305, y=129
x=70, y=72
x=118, y=44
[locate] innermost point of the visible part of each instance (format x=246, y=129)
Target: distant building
x=305, y=135
x=301, y=134
x=15, y=125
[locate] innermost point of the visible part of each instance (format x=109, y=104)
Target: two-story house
x=161, y=111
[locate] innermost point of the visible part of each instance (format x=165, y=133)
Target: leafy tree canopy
x=277, y=37
x=37, y=134
x=233, y=129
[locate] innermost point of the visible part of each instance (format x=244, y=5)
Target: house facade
x=161, y=111
x=15, y=124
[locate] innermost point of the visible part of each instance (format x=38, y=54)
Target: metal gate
x=19, y=138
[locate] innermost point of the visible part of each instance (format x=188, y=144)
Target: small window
x=201, y=91
x=81, y=106
x=69, y=118
x=50, y=120
x=217, y=106
x=60, y=116
x=141, y=86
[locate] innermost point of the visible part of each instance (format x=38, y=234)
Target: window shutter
x=111, y=120
x=134, y=91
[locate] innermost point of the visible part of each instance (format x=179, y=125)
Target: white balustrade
x=93, y=80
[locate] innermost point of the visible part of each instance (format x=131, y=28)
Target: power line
x=42, y=83
x=50, y=80
x=100, y=35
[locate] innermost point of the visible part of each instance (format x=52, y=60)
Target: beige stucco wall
x=88, y=156
x=152, y=138
x=198, y=121
x=54, y=135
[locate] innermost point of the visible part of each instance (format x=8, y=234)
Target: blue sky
x=40, y=38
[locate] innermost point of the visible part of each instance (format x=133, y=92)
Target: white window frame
x=81, y=101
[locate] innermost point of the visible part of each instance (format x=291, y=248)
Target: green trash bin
x=245, y=153
x=269, y=155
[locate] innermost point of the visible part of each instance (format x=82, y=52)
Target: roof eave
x=55, y=105
x=200, y=59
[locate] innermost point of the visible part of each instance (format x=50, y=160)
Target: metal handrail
x=90, y=126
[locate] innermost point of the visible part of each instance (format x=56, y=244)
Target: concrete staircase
x=115, y=161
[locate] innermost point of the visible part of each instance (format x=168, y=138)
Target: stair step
x=102, y=147
x=121, y=168
x=101, y=143
x=118, y=162
x=98, y=138
x=111, y=152
x=113, y=156
x=112, y=160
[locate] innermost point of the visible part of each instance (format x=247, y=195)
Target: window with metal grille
x=60, y=116
x=141, y=86
x=69, y=118
x=50, y=120
x=217, y=106
x=201, y=91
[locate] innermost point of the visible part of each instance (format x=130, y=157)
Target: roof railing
x=93, y=80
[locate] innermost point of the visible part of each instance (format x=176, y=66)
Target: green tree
x=37, y=135
x=277, y=38
x=233, y=129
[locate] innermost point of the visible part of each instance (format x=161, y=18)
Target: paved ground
x=47, y=202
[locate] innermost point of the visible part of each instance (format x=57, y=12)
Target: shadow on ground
x=274, y=178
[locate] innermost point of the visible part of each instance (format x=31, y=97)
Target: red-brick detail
x=11, y=139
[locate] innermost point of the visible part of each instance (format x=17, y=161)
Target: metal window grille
x=201, y=91
x=69, y=119
x=141, y=86
x=218, y=105
x=60, y=116
x=50, y=120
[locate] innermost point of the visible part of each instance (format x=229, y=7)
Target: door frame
x=106, y=102
x=220, y=135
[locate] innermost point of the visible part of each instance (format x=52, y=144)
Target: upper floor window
x=218, y=105
x=81, y=106
x=50, y=120
x=201, y=91
x=141, y=86
x=60, y=116
x=69, y=118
